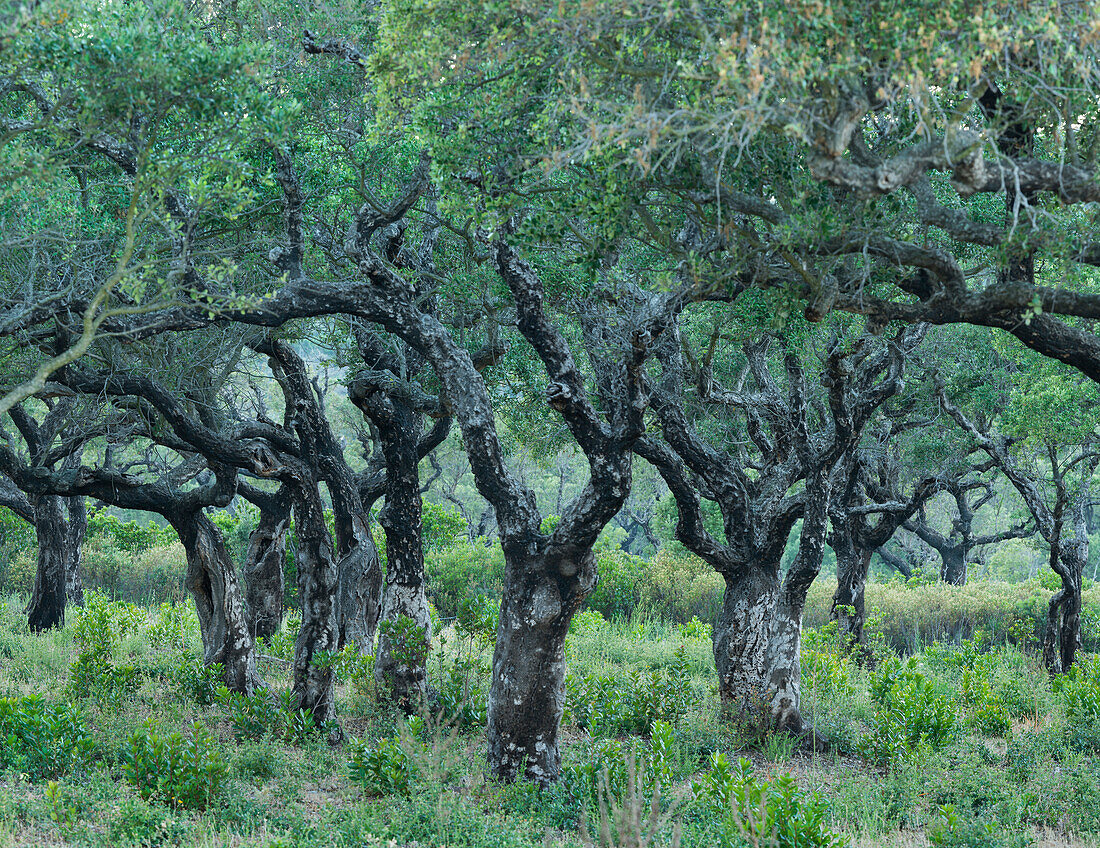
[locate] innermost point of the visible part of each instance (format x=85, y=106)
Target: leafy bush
x=609, y=705
x=949, y=830
x=128, y=536
x=41, y=739
x=98, y=632
x=463, y=571
x=1079, y=690
x=384, y=767
x=254, y=716
x=441, y=527
x=911, y=715
x=759, y=812
x=185, y=772
x=195, y=680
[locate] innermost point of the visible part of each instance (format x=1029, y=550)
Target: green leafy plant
x=254, y=716
x=911, y=714
x=41, y=739
x=760, y=812
x=612, y=705
x=183, y=771
x=384, y=767
x=1079, y=689
x=98, y=632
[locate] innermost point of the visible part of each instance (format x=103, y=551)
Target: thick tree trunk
x=849, y=600
x=74, y=549
x=741, y=637
x=784, y=646
x=212, y=581
x=953, y=565
x=359, y=575
x=527, y=697
x=263, y=573
x=1063, y=631
x=317, y=585
x=402, y=657
x=47, y=605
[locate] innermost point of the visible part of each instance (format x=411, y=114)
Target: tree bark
x=46, y=609
x=264, y=575
x=75, y=532
x=528, y=694
x=212, y=580
x=785, y=642
x=401, y=668
x=741, y=640
x=953, y=565
x=317, y=584
x=359, y=593
x=1063, y=629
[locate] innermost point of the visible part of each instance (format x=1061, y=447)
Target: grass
x=1034, y=782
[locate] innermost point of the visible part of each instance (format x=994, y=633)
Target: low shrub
x=911, y=714
x=183, y=771
x=759, y=812
x=384, y=767
x=463, y=571
x=1079, y=690
x=262, y=713
x=608, y=705
x=42, y=739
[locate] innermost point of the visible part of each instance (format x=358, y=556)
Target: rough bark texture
x=785, y=641
x=47, y=605
x=849, y=600
x=401, y=665
x=212, y=580
x=1062, y=636
x=528, y=693
x=740, y=639
x=264, y=575
x=75, y=531
x=359, y=574
x=317, y=583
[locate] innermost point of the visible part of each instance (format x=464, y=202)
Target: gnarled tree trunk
x=264, y=575
x=212, y=581
x=528, y=694
x=47, y=605
x=317, y=584
x=1062, y=636
x=359, y=576
x=741, y=637
x=783, y=658
x=953, y=565
x=849, y=600
x=75, y=532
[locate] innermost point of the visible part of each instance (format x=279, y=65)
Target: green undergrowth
x=114, y=732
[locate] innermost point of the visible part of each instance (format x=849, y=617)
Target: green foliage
x=1079, y=690
x=441, y=527
x=911, y=715
x=463, y=571
x=98, y=632
x=950, y=830
x=128, y=536
x=759, y=812
x=608, y=705
x=41, y=739
x=182, y=771
x=262, y=713
x=408, y=641
x=384, y=767
x=195, y=680
x=461, y=676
